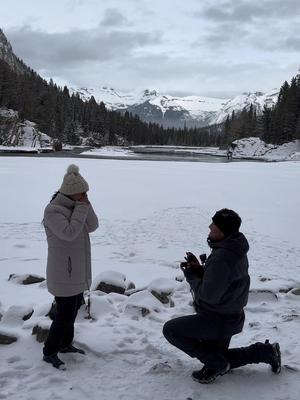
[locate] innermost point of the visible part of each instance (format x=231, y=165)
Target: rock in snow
x=7, y=338
x=110, y=281
x=16, y=315
x=26, y=279
x=40, y=333
x=162, y=288
x=141, y=304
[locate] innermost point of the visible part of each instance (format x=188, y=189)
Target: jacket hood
x=237, y=243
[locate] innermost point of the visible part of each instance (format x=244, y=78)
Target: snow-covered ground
x=150, y=213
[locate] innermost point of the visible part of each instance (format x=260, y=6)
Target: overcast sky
x=205, y=47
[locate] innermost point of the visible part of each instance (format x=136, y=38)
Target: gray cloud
x=113, y=17
x=287, y=44
x=249, y=24
x=249, y=11
x=45, y=50
x=234, y=46
x=226, y=33
x=293, y=43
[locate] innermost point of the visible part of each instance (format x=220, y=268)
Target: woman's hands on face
x=84, y=198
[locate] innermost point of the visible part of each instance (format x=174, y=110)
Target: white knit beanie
x=73, y=182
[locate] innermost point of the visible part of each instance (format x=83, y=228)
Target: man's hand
x=192, y=260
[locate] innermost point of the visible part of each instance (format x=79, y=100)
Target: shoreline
x=145, y=156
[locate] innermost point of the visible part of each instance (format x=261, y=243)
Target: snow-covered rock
x=141, y=304
x=162, y=288
x=254, y=147
x=163, y=285
x=26, y=279
x=99, y=306
x=16, y=315
x=109, y=281
x=129, y=284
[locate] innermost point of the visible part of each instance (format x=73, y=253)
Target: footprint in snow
x=13, y=359
x=161, y=367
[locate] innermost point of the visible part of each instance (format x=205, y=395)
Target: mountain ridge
x=176, y=111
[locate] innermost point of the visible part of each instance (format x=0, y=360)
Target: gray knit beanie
x=73, y=182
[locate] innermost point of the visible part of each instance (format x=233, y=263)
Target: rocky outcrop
x=7, y=55
x=14, y=132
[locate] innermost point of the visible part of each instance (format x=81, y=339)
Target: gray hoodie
x=67, y=224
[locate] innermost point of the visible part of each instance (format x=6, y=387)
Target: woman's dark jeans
x=61, y=332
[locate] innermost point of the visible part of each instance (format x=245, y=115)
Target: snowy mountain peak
x=176, y=111
x=150, y=93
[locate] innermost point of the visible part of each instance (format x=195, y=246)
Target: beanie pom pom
x=73, y=169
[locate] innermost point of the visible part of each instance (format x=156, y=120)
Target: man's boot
x=55, y=361
x=272, y=355
x=208, y=375
x=256, y=353
x=71, y=349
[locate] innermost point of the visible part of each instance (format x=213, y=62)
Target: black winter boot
x=71, y=349
x=256, y=353
x=55, y=361
x=274, y=356
x=208, y=375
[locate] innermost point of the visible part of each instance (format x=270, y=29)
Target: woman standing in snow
x=68, y=220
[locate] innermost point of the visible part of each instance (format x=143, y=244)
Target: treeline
x=277, y=125
x=69, y=119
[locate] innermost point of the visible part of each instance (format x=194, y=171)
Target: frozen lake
x=150, y=214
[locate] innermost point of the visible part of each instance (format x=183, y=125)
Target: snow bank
x=111, y=151
x=100, y=306
x=254, y=147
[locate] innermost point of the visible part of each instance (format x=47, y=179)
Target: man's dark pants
x=61, y=332
x=204, y=336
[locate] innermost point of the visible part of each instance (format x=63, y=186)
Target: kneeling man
x=220, y=288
